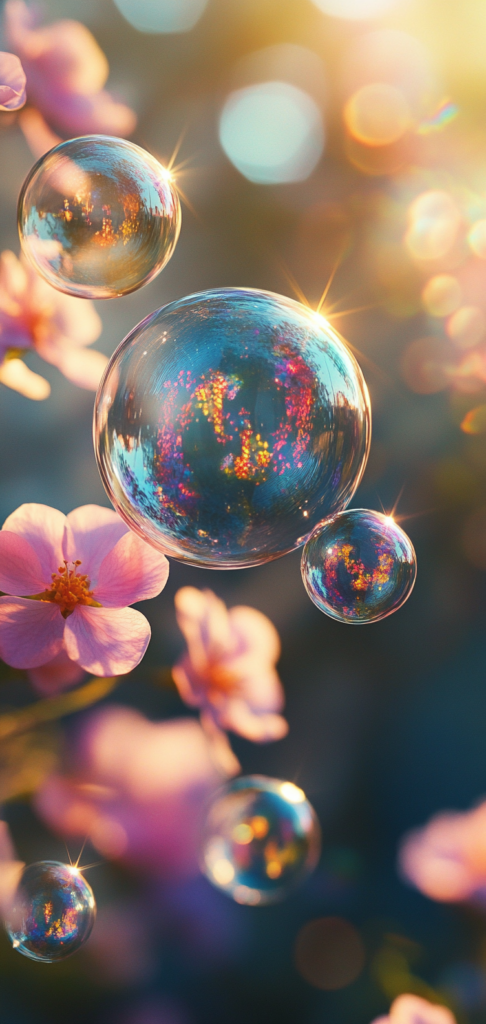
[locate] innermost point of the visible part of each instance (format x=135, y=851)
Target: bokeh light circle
x=377, y=114
x=442, y=295
x=359, y=566
x=52, y=913
x=355, y=10
x=329, y=953
x=261, y=838
x=272, y=132
x=477, y=239
x=434, y=222
x=228, y=424
x=466, y=327
x=98, y=217
x=162, y=15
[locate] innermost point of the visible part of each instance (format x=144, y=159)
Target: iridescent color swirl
x=98, y=217
x=53, y=912
x=261, y=838
x=359, y=566
x=228, y=424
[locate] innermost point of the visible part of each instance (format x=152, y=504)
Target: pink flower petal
x=58, y=674
x=132, y=571
x=37, y=133
x=20, y=569
x=31, y=632
x=12, y=82
x=92, y=532
x=43, y=527
x=106, y=641
x=411, y=1009
x=239, y=718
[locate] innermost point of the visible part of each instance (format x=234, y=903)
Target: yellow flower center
x=68, y=588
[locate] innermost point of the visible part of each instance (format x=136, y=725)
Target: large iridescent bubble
x=98, y=217
x=261, y=838
x=228, y=424
x=359, y=566
x=53, y=911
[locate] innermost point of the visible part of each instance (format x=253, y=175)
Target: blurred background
x=341, y=139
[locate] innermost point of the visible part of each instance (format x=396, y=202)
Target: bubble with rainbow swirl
x=52, y=912
x=359, y=566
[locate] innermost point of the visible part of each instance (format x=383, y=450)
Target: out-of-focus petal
x=92, y=531
x=37, y=133
x=106, y=641
x=433, y=859
x=31, y=632
x=43, y=527
x=12, y=82
x=82, y=368
x=132, y=571
x=20, y=569
x=69, y=58
x=255, y=629
x=17, y=376
x=77, y=319
x=58, y=674
x=74, y=114
x=261, y=728
x=411, y=1009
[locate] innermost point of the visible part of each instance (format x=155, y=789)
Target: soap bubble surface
x=53, y=911
x=98, y=217
x=261, y=838
x=228, y=424
x=359, y=566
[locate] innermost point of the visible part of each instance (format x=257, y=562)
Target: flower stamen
x=68, y=588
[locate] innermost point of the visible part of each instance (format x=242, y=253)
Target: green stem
x=51, y=708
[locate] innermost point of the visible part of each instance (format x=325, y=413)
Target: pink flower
x=446, y=859
x=136, y=788
x=70, y=580
x=229, y=668
x=57, y=326
x=409, y=1009
x=12, y=82
x=10, y=869
x=66, y=71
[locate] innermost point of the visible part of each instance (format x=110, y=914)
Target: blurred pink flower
x=57, y=326
x=69, y=581
x=12, y=82
x=229, y=668
x=446, y=859
x=66, y=71
x=60, y=673
x=10, y=869
x=410, y=1009
x=136, y=788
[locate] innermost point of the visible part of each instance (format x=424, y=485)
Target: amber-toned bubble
x=261, y=838
x=428, y=365
x=434, y=222
x=378, y=114
x=98, y=217
x=466, y=327
x=329, y=953
x=474, y=421
x=442, y=295
x=477, y=239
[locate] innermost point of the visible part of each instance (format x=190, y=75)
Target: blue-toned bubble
x=261, y=838
x=98, y=217
x=53, y=911
x=359, y=566
x=228, y=424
